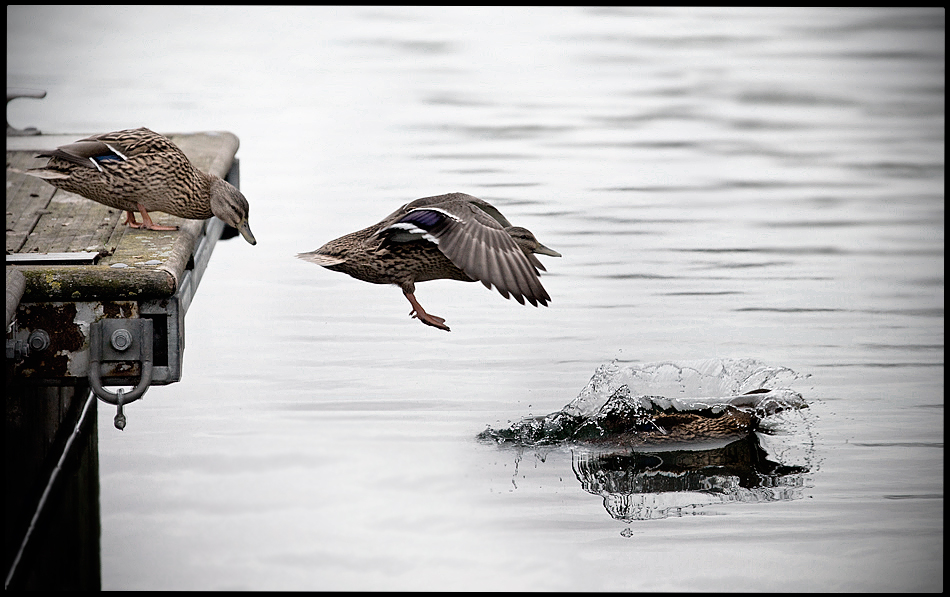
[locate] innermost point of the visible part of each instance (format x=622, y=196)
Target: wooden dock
x=82, y=264
x=90, y=302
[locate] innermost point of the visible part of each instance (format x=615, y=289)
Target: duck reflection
x=639, y=485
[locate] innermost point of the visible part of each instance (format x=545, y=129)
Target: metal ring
x=95, y=375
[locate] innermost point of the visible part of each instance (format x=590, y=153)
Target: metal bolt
x=119, y=420
x=38, y=340
x=121, y=340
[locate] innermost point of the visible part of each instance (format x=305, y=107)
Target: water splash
x=666, y=439
x=702, y=379
x=667, y=402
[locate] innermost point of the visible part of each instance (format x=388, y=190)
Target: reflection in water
x=653, y=485
x=651, y=456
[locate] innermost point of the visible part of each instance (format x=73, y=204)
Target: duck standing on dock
x=140, y=170
x=447, y=237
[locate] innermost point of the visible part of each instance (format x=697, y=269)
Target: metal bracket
x=12, y=94
x=120, y=340
x=18, y=349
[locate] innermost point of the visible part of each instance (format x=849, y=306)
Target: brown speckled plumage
x=446, y=237
x=140, y=170
x=686, y=427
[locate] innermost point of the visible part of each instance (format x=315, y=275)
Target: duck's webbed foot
x=419, y=313
x=147, y=222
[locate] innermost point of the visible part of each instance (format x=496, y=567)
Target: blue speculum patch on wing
x=426, y=219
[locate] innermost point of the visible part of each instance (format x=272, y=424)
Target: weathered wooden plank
x=71, y=223
x=27, y=198
x=95, y=282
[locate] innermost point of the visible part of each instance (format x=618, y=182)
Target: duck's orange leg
x=419, y=313
x=130, y=220
x=147, y=223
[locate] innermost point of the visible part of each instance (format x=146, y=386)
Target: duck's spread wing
x=478, y=245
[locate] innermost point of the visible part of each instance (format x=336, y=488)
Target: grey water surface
x=744, y=184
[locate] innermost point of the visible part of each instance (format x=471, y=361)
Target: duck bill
x=245, y=229
x=542, y=250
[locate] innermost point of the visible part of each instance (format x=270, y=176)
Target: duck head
x=229, y=204
x=530, y=245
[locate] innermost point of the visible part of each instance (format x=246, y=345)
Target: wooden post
x=51, y=501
